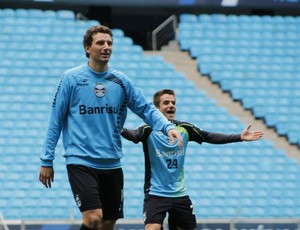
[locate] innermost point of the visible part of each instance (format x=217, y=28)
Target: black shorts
x=180, y=210
x=97, y=188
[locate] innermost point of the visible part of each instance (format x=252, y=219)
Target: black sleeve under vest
x=199, y=135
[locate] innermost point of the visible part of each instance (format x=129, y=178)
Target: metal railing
x=80, y=16
x=3, y=224
x=224, y=224
x=164, y=32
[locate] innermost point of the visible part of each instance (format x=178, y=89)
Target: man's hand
x=248, y=135
x=172, y=133
x=46, y=176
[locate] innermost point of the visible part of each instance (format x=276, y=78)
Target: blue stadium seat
x=22, y=13
x=65, y=15
x=118, y=33
x=8, y=12
x=190, y=18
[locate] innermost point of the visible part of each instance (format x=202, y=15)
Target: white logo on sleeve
x=78, y=201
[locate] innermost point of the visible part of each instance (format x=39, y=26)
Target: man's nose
x=106, y=46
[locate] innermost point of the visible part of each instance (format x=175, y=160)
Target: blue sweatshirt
x=90, y=109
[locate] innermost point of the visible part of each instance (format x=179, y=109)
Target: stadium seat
x=65, y=15
x=190, y=18
x=118, y=33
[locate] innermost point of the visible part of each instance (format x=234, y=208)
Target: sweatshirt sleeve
x=133, y=135
x=58, y=112
x=139, y=105
x=221, y=138
x=200, y=135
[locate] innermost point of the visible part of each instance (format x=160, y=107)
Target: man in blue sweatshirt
x=89, y=109
x=164, y=188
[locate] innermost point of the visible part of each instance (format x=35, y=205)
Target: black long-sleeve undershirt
x=195, y=134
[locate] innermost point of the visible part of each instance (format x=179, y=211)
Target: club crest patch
x=99, y=90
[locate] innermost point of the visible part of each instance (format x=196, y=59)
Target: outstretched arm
x=199, y=135
x=248, y=135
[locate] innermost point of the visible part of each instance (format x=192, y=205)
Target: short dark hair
x=158, y=94
x=88, y=37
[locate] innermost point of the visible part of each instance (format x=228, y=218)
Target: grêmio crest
x=99, y=90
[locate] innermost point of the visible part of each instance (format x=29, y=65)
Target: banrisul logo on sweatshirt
x=83, y=109
x=99, y=90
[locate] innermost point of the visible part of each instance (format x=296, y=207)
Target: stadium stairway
x=255, y=58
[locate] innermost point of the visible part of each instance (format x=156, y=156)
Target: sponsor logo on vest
x=160, y=153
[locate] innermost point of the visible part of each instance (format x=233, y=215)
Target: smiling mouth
x=171, y=112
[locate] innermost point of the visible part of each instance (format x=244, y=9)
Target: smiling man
x=164, y=188
x=89, y=109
